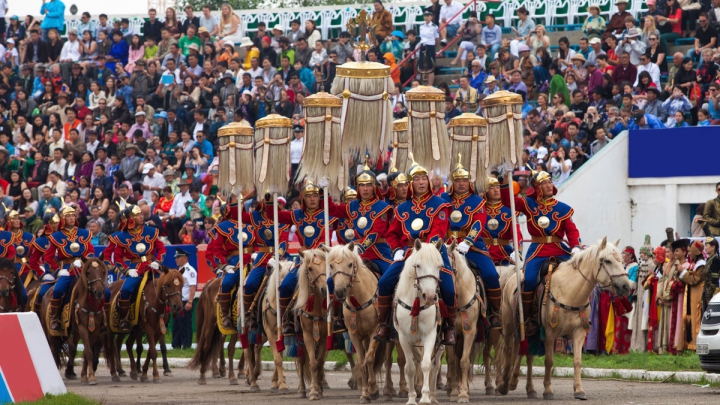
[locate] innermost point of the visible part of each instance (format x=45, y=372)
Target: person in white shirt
x=429, y=35
x=178, y=212
x=153, y=181
x=58, y=164
x=70, y=53
x=182, y=326
x=296, y=149
x=647, y=66
x=448, y=15
x=58, y=187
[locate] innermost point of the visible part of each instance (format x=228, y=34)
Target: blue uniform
x=432, y=213
x=66, y=245
x=138, y=249
x=224, y=247
x=264, y=246
x=497, y=233
x=39, y=247
x=466, y=223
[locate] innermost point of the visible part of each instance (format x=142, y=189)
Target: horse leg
x=465, y=366
x=388, y=391
x=515, y=380
x=131, y=354
x=163, y=350
x=315, y=372
x=232, y=379
x=87, y=355
x=72, y=352
x=427, y=366
x=402, y=362
x=139, y=348
x=251, y=374
x=117, y=342
x=352, y=382
x=152, y=354
x=578, y=341
x=372, y=380
x=410, y=369
x=436, y=367
x=549, y=360
x=452, y=364
x=278, y=360
x=439, y=381
x=257, y=356
x=491, y=341
x=530, y=387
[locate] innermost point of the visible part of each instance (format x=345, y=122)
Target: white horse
x=420, y=279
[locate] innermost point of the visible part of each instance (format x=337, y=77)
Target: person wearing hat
x=552, y=230
x=310, y=229
x=595, y=49
x=594, y=25
x=182, y=332
x=694, y=277
x=49, y=225
x=674, y=269
x=70, y=54
x=629, y=41
x=178, y=212
x=393, y=44
x=616, y=25
x=497, y=229
x=383, y=20
x=654, y=105
x=429, y=215
x=491, y=85
x=67, y=248
x=397, y=192
x=135, y=249
x=429, y=35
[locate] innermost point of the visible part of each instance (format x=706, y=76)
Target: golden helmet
x=349, y=194
x=366, y=176
x=493, y=182
x=415, y=168
x=460, y=172
x=396, y=177
x=540, y=177
x=67, y=210
x=309, y=188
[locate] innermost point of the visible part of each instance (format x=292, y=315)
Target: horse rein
x=597, y=273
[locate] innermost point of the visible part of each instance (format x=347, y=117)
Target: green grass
x=637, y=361
x=64, y=399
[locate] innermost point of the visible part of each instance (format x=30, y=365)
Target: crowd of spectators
x=109, y=116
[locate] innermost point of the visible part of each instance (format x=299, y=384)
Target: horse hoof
x=202, y=382
x=122, y=373
x=273, y=390
x=254, y=388
x=489, y=391
x=581, y=396
x=157, y=380
x=223, y=374
x=144, y=378
x=217, y=375
x=352, y=384
x=402, y=394
x=547, y=396
x=71, y=376
x=532, y=395
x=133, y=376
x=326, y=386
x=92, y=381
x=283, y=391
x=453, y=398
x=364, y=400
x=512, y=387
x=387, y=397
x=302, y=394
x=116, y=379
x=234, y=381
x=440, y=386
x=463, y=400
x=502, y=390
x=375, y=395
x=167, y=373
x=84, y=381
x=314, y=397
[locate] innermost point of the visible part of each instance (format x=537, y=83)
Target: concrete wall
x=607, y=203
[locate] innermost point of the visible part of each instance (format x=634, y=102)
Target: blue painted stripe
x=5, y=395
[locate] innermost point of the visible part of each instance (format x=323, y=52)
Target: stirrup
x=383, y=333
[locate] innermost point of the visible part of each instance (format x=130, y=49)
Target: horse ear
x=351, y=246
x=301, y=254
x=164, y=269
x=617, y=242
x=603, y=243
x=438, y=244
x=324, y=248
x=452, y=246
x=418, y=244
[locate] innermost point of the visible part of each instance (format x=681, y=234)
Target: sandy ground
x=182, y=388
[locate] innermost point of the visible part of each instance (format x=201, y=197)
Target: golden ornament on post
x=468, y=137
x=427, y=133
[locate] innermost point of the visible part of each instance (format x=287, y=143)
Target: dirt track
x=183, y=389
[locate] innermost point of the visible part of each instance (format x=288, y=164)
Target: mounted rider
x=397, y=192
x=37, y=263
x=344, y=226
x=224, y=249
x=549, y=223
x=23, y=243
x=309, y=223
x=423, y=216
x=68, y=246
x=467, y=220
x=136, y=249
x=497, y=233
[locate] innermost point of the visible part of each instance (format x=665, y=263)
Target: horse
x=210, y=341
x=132, y=339
x=10, y=287
x=269, y=321
x=564, y=312
x=356, y=286
x=165, y=291
x=310, y=304
x=418, y=285
x=88, y=322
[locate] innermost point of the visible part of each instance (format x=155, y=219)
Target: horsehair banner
x=468, y=136
x=400, y=145
x=503, y=110
x=237, y=158
x=272, y=156
x=427, y=133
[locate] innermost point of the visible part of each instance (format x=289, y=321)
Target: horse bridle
x=418, y=278
x=161, y=302
x=597, y=273
x=11, y=281
x=352, y=276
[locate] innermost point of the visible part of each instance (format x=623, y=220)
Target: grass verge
x=64, y=399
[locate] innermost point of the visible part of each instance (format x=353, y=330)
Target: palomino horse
x=10, y=287
x=163, y=291
x=88, y=322
x=269, y=321
x=564, y=312
x=356, y=285
x=210, y=341
x=420, y=280
x=311, y=307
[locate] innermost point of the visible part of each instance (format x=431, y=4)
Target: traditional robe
x=694, y=279
x=676, y=344
x=641, y=309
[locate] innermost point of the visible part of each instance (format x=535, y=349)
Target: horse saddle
x=373, y=267
x=135, y=305
x=65, y=313
x=233, y=312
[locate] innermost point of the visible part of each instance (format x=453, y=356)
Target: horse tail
x=209, y=339
x=506, y=356
x=380, y=356
x=475, y=356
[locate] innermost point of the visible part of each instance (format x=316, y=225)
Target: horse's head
x=94, y=275
x=311, y=275
x=170, y=286
x=423, y=266
x=606, y=267
x=9, y=279
x=344, y=264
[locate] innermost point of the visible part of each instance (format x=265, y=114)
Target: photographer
x=592, y=121
x=560, y=165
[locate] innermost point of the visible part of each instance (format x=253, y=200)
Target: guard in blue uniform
x=423, y=216
x=310, y=227
x=467, y=220
x=23, y=244
x=397, y=193
x=344, y=227
x=497, y=232
x=39, y=247
x=68, y=246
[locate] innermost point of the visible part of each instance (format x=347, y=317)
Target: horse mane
x=271, y=288
x=427, y=256
x=6, y=263
x=592, y=253
x=303, y=282
x=169, y=276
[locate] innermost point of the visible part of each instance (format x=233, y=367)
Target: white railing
x=409, y=14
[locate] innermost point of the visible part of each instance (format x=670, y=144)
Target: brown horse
x=88, y=322
x=10, y=287
x=161, y=292
x=209, y=339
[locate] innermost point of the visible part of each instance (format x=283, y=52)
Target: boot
x=224, y=300
x=384, y=333
x=449, y=330
x=123, y=311
x=54, y=307
x=339, y=324
x=531, y=325
x=494, y=296
x=288, y=326
x=250, y=321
